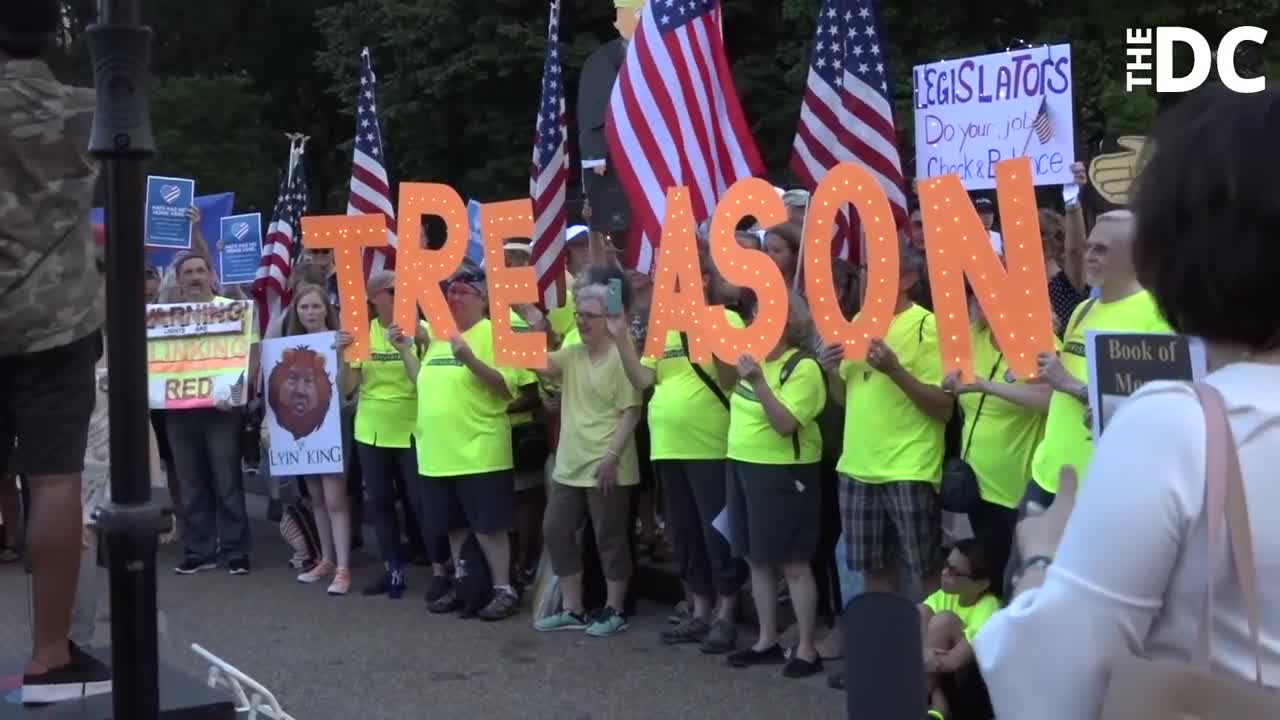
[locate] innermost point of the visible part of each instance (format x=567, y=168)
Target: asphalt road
x=355, y=657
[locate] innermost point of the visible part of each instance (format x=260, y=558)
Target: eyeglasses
x=579, y=315
x=458, y=288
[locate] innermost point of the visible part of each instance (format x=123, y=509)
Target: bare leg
x=764, y=592
x=339, y=512
x=727, y=608
x=497, y=552
x=703, y=606
x=616, y=594
x=319, y=511
x=804, y=598
x=571, y=593
x=882, y=580
x=54, y=548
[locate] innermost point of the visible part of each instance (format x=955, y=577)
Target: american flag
x=370, y=189
x=674, y=119
x=549, y=174
x=1042, y=125
x=271, y=285
x=847, y=114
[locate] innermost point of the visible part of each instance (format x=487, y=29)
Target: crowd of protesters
x=479, y=471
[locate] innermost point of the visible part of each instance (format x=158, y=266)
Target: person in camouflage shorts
x=50, y=324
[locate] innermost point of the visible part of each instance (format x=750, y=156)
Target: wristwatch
x=1029, y=564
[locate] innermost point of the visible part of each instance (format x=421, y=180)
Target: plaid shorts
x=884, y=520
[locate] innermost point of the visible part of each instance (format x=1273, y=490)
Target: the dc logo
x=239, y=230
x=170, y=193
x=1140, y=42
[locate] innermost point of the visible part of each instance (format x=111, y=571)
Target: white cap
x=525, y=248
x=574, y=232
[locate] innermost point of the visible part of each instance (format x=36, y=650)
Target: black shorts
x=483, y=502
x=774, y=511
x=46, y=399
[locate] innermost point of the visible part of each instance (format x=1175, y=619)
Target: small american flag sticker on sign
x=170, y=193
x=1043, y=125
x=239, y=230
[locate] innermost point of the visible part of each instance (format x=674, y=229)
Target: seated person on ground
x=949, y=620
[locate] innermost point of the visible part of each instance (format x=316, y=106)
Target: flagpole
x=120, y=46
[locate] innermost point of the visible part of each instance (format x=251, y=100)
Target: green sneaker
x=608, y=622
x=563, y=620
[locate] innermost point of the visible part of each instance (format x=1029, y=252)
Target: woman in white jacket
x=1122, y=566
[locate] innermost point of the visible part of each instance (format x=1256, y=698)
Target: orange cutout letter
x=419, y=271
x=510, y=285
x=849, y=183
x=748, y=269
x=682, y=309
x=1014, y=300
x=348, y=235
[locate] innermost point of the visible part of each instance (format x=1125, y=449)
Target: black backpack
x=475, y=588
x=829, y=421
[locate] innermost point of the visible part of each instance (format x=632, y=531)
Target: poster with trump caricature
x=304, y=427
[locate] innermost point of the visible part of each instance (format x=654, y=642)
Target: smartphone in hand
x=613, y=302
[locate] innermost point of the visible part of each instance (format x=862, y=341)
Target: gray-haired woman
x=774, y=503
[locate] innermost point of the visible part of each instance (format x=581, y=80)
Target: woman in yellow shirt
x=774, y=467
x=386, y=411
x=689, y=426
x=1003, y=423
x=462, y=436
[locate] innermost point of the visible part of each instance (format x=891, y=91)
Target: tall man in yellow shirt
x=1122, y=306
x=891, y=465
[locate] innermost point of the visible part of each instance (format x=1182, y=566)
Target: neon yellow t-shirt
x=561, y=319
x=752, y=439
x=1066, y=438
x=686, y=420
x=387, y=409
x=595, y=395
x=462, y=427
x=973, y=616
x=523, y=376
x=571, y=338
x=999, y=440
x=886, y=437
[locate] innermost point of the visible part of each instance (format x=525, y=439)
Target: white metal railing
x=258, y=702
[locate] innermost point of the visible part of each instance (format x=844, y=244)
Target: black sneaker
x=85, y=675
x=722, y=638
x=693, y=630
x=446, y=603
x=798, y=667
x=191, y=566
x=440, y=586
x=751, y=656
x=503, y=605
x=238, y=567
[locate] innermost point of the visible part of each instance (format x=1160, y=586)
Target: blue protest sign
x=166, y=213
x=240, y=247
x=212, y=209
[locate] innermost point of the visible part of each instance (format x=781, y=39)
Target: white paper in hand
x=1070, y=193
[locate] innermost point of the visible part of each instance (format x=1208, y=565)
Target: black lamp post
x=120, y=46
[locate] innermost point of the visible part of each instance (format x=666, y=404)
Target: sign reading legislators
x=975, y=112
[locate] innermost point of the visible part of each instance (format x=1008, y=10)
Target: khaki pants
x=567, y=511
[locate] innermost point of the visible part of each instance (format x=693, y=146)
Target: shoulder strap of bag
x=711, y=384
x=978, y=413
x=788, y=368
x=1225, y=503
x=1088, y=305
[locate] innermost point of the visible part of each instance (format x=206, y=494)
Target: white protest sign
x=303, y=399
x=973, y=112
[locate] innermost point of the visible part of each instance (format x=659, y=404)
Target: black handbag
x=529, y=447
x=960, y=492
